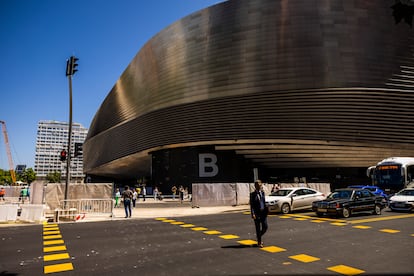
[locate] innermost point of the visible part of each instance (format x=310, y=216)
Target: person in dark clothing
x=259, y=211
x=127, y=197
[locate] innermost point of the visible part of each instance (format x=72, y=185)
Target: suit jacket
x=258, y=204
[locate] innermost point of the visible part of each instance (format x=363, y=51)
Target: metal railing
x=89, y=206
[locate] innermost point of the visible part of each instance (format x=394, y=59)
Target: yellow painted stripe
x=50, y=228
x=160, y=218
x=310, y=217
x=361, y=227
x=55, y=257
x=247, y=242
x=53, y=242
x=58, y=268
x=168, y=220
x=177, y=223
x=345, y=270
x=51, y=232
x=380, y=218
x=54, y=248
x=304, y=258
x=187, y=225
x=273, y=249
x=338, y=223
x=51, y=237
x=49, y=225
x=391, y=231
x=212, y=232
x=199, y=228
x=300, y=219
x=229, y=237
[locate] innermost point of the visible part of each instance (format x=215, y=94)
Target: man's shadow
x=239, y=246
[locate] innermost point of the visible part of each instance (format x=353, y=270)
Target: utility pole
x=71, y=65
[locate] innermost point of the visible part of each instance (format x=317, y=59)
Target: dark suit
x=259, y=212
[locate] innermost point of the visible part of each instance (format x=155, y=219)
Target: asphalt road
x=295, y=244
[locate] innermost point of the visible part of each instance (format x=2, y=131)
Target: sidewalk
x=166, y=208
x=149, y=209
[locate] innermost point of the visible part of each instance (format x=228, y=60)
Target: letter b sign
x=207, y=165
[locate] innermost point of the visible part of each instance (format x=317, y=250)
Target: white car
x=403, y=200
x=286, y=200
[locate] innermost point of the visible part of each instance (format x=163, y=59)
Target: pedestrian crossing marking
x=345, y=270
x=212, y=232
x=304, y=258
x=58, y=268
x=55, y=257
x=273, y=249
x=247, y=242
x=199, y=228
x=338, y=223
x=51, y=237
x=361, y=227
x=53, y=242
x=54, y=248
x=229, y=237
x=317, y=220
x=391, y=231
x=160, y=218
x=177, y=223
x=168, y=220
x=50, y=228
x=51, y=232
x=187, y=225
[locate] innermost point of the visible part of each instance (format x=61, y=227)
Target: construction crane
x=9, y=156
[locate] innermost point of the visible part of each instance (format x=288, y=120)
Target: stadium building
x=274, y=89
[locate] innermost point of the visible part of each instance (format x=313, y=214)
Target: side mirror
x=293, y=195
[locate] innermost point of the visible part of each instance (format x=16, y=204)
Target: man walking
x=259, y=211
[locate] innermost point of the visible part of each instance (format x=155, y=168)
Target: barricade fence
x=89, y=206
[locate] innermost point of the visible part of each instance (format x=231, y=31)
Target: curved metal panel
x=262, y=71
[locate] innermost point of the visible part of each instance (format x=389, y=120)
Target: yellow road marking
x=304, y=258
x=391, y=231
x=345, y=270
x=177, y=223
x=212, y=232
x=51, y=232
x=339, y=223
x=53, y=242
x=58, y=268
x=160, y=218
x=54, y=248
x=168, y=220
x=187, y=225
x=229, y=237
x=55, y=257
x=362, y=227
x=273, y=249
x=52, y=237
x=380, y=218
x=247, y=242
x=50, y=228
x=199, y=228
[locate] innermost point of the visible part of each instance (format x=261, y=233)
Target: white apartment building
x=52, y=138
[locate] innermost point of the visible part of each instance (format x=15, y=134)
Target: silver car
x=403, y=200
x=286, y=200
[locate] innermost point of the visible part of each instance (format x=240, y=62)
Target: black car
x=347, y=201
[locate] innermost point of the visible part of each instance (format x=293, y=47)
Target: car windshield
x=340, y=194
x=407, y=192
x=281, y=192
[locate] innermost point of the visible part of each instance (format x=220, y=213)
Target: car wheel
x=346, y=213
x=285, y=208
x=377, y=210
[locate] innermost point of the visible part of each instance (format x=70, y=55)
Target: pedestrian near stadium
x=259, y=211
x=127, y=197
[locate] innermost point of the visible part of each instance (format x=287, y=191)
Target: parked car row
x=341, y=202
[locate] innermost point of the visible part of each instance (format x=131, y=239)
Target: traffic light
x=78, y=149
x=71, y=66
x=63, y=155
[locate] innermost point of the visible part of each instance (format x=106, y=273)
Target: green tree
x=5, y=177
x=28, y=175
x=53, y=177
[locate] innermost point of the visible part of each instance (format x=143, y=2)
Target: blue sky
x=37, y=36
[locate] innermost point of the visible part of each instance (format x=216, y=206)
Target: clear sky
x=38, y=36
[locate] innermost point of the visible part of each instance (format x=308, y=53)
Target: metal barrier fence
x=89, y=206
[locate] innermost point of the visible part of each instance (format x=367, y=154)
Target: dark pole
x=71, y=65
x=69, y=139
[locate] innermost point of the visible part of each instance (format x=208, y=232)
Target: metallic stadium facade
x=291, y=87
